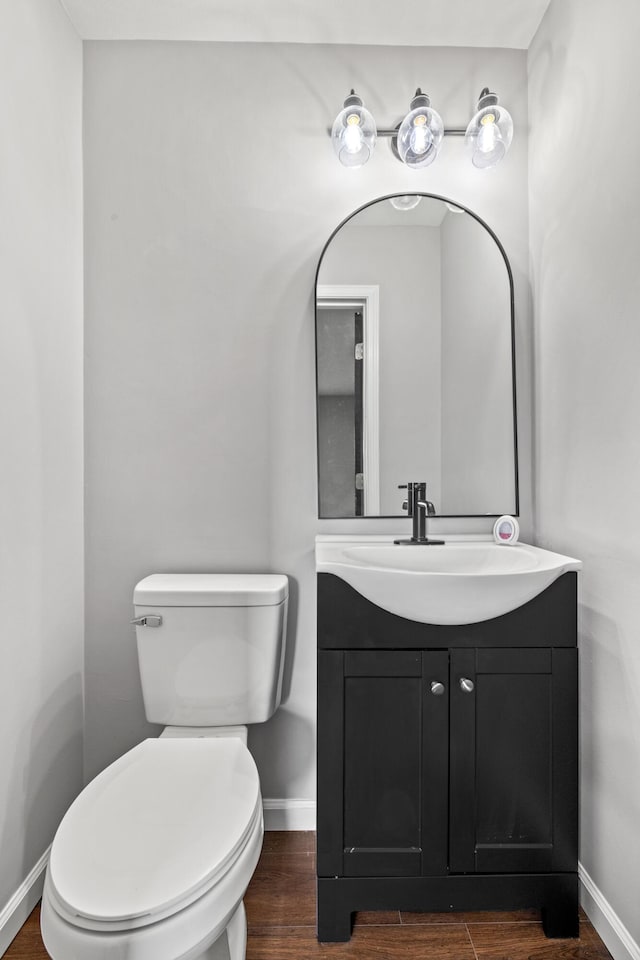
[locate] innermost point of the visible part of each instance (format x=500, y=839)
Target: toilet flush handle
x=149, y=620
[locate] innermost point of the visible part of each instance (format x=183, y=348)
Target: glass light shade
x=353, y=133
x=420, y=133
x=406, y=202
x=489, y=133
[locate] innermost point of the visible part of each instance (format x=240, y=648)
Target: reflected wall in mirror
x=415, y=362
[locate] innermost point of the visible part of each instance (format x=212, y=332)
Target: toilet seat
x=154, y=832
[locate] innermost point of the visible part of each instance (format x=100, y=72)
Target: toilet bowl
x=152, y=860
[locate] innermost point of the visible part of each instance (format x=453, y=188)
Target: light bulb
x=420, y=138
x=487, y=134
x=420, y=133
x=353, y=133
x=490, y=132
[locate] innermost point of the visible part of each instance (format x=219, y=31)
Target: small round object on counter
x=506, y=530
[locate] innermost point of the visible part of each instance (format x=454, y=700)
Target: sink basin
x=460, y=582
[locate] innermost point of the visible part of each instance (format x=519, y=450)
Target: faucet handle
x=408, y=503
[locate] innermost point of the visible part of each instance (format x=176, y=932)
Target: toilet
x=152, y=860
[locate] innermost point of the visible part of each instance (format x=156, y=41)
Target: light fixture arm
x=393, y=131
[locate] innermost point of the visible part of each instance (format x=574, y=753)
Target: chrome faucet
x=418, y=508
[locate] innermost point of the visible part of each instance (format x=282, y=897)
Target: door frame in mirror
x=368, y=295
x=460, y=206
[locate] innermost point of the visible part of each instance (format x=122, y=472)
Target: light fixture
x=417, y=140
x=354, y=132
x=490, y=132
x=407, y=202
x=420, y=133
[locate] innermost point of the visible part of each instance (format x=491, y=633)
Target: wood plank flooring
x=281, y=906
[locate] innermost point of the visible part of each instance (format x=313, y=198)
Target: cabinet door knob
x=466, y=685
x=437, y=688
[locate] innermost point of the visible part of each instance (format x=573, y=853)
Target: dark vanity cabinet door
x=447, y=761
x=513, y=760
x=383, y=759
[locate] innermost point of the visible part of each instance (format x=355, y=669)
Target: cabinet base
x=556, y=895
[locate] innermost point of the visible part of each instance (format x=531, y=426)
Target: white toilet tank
x=216, y=657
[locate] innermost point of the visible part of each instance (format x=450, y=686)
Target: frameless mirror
x=415, y=362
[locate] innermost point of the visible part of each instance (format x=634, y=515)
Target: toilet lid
x=154, y=829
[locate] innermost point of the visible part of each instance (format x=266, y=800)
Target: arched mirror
x=415, y=362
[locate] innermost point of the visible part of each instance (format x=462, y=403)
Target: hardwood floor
x=280, y=905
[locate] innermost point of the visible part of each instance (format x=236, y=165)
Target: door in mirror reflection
x=433, y=396
x=340, y=406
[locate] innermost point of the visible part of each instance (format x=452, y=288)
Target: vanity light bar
x=448, y=132
x=417, y=140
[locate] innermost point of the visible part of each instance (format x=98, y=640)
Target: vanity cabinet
x=447, y=760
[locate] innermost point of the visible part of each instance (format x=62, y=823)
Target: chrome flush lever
x=149, y=620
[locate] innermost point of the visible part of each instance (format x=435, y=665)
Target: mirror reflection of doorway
x=340, y=408
x=347, y=401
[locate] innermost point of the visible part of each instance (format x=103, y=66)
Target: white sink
x=459, y=582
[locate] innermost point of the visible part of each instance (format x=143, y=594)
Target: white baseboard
x=289, y=814
x=20, y=905
x=608, y=924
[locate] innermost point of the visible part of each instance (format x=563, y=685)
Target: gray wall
x=405, y=263
x=41, y=546
x=477, y=418
x=200, y=262
x=585, y=249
